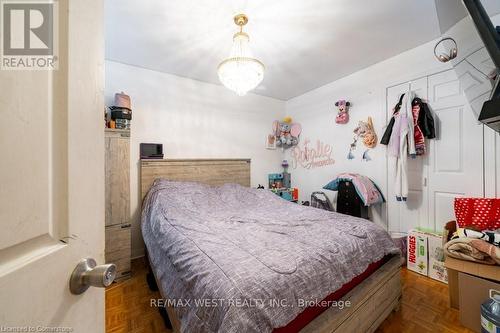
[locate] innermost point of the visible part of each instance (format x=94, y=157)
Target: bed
x=231, y=259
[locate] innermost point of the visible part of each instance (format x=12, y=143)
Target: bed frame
x=371, y=301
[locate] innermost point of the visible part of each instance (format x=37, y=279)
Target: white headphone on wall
x=443, y=57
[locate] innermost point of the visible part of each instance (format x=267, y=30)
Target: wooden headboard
x=207, y=171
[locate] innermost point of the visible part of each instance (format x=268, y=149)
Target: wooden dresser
x=117, y=168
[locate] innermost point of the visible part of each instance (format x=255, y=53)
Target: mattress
x=234, y=259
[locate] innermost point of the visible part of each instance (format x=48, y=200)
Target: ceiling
x=304, y=44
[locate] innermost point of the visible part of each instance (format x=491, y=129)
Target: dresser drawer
x=117, y=249
x=118, y=240
x=123, y=269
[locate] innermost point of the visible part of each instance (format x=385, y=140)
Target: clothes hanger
x=398, y=105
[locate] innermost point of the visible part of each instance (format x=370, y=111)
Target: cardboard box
x=417, y=252
x=456, y=266
x=437, y=269
x=453, y=288
x=491, y=272
x=426, y=254
x=473, y=292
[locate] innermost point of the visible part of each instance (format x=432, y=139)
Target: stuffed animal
x=343, y=115
x=287, y=133
x=366, y=131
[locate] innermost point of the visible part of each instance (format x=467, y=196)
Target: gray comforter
x=236, y=259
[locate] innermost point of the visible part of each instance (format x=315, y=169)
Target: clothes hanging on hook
x=388, y=131
x=405, y=135
x=402, y=143
x=407, y=104
x=425, y=120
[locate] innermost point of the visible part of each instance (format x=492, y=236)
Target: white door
x=404, y=216
x=52, y=176
x=456, y=155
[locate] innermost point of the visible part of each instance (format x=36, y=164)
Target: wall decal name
x=312, y=156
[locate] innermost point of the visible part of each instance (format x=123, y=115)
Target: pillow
x=482, y=213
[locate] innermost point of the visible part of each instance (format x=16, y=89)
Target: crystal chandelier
x=240, y=72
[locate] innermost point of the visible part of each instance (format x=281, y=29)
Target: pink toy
x=343, y=115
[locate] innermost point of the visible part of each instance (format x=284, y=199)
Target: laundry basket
x=320, y=200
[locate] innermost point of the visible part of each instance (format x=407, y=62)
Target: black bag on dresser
x=349, y=202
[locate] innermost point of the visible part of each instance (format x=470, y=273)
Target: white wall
x=193, y=120
x=366, y=90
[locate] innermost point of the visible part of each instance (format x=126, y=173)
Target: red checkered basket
x=481, y=213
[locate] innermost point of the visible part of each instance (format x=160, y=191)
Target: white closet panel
x=456, y=156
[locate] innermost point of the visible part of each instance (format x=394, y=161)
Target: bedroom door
x=52, y=165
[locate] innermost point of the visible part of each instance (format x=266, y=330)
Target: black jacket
x=425, y=120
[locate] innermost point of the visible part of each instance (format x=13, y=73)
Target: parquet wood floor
x=424, y=307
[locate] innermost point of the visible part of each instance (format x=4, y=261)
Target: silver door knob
x=87, y=274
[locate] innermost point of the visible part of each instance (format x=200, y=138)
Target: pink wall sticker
x=310, y=156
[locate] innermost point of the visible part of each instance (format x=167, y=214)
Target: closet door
x=403, y=216
x=456, y=156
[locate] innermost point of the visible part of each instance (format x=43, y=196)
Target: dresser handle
x=123, y=226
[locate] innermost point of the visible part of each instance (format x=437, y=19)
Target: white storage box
x=417, y=252
x=437, y=269
x=426, y=254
